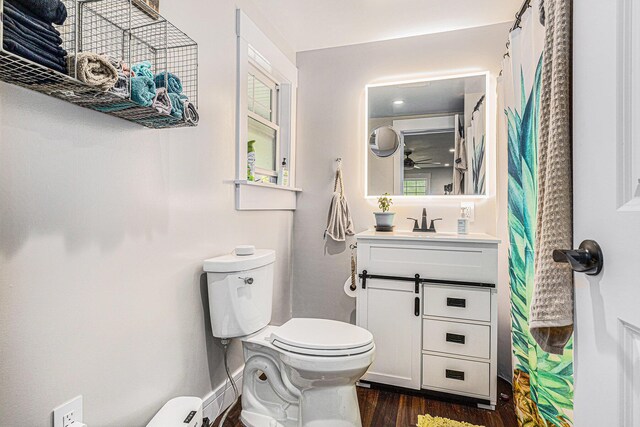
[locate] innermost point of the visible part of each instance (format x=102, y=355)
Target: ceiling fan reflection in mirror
x=410, y=163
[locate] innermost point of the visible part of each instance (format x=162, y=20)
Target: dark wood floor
x=382, y=408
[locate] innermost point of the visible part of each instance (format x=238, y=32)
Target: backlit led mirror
x=428, y=138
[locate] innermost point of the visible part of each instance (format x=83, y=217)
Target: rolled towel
x=143, y=90
x=162, y=102
x=142, y=69
x=52, y=11
x=170, y=81
x=94, y=70
x=177, y=105
x=20, y=50
x=190, y=113
x=121, y=88
x=29, y=21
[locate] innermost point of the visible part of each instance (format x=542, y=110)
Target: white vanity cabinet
x=430, y=301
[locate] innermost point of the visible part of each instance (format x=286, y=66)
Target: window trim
x=256, y=51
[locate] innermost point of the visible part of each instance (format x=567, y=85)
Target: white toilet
x=311, y=365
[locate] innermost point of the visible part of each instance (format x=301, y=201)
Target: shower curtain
x=542, y=382
x=477, y=134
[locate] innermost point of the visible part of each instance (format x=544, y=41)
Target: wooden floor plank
x=384, y=408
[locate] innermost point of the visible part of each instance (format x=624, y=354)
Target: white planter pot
x=384, y=219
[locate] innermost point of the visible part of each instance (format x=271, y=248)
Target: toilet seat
x=321, y=337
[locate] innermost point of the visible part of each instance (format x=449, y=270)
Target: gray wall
x=103, y=229
x=331, y=124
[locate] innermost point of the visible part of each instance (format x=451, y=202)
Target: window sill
x=260, y=196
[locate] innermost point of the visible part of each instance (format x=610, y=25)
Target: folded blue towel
x=20, y=50
x=47, y=10
x=143, y=90
x=43, y=53
x=34, y=30
x=170, y=81
x=25, y=17
x=142, y=69
x=33, y=39
x=177, y=105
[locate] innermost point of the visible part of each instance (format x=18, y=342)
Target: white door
x=607, y=209
x=391, y=311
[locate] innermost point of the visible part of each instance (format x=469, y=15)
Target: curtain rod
x=525, y=5
x=477, y=107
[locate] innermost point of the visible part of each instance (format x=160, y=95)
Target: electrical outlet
x=68, y=419
x=469, y=211
x=68, y=414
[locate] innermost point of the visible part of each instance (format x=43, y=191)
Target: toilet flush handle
x=247, y=280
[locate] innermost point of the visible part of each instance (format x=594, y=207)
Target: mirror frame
x=490, y=127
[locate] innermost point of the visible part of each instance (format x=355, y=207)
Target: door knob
x=586, y=259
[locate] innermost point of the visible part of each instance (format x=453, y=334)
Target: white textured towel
x=552, y=306
x=339, y=222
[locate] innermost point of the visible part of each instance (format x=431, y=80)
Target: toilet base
x=251, y=419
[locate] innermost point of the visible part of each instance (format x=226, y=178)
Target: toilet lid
x=322, y=337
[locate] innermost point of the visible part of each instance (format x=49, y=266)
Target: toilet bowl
x=300, y=374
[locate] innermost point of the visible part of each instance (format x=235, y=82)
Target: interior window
x=263, y=126
x=415, y=187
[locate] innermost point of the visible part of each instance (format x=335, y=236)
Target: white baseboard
x=216, y=402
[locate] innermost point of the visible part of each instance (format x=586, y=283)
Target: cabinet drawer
x=455, y=375
x=436, y=260
x=456, y=338
x=457, y=302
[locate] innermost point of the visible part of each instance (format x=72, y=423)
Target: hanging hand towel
x=339, y=222
x=552, y=306
x=460, y=161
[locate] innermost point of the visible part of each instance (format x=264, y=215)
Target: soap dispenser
x=283, y=174
x=463, y=222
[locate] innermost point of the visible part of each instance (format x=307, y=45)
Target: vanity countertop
x=437, y=237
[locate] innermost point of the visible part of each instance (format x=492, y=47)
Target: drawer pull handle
x=454, y=375
x=457, y=302
x=455, y=338
x=416, y=306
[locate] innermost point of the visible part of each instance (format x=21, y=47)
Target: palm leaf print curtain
x=542, y=382
x=477, y=134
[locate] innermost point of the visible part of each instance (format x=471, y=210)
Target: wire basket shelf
x=128, y=32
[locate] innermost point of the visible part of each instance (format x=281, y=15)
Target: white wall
x=331, y=124
x=103, y=229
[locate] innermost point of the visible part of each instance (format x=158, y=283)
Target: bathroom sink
x=438, y=236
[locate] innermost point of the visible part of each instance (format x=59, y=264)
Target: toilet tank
x=240, y=292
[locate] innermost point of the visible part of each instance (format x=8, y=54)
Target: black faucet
x=423, y=228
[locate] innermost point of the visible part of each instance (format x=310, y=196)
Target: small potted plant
x=384, y=219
